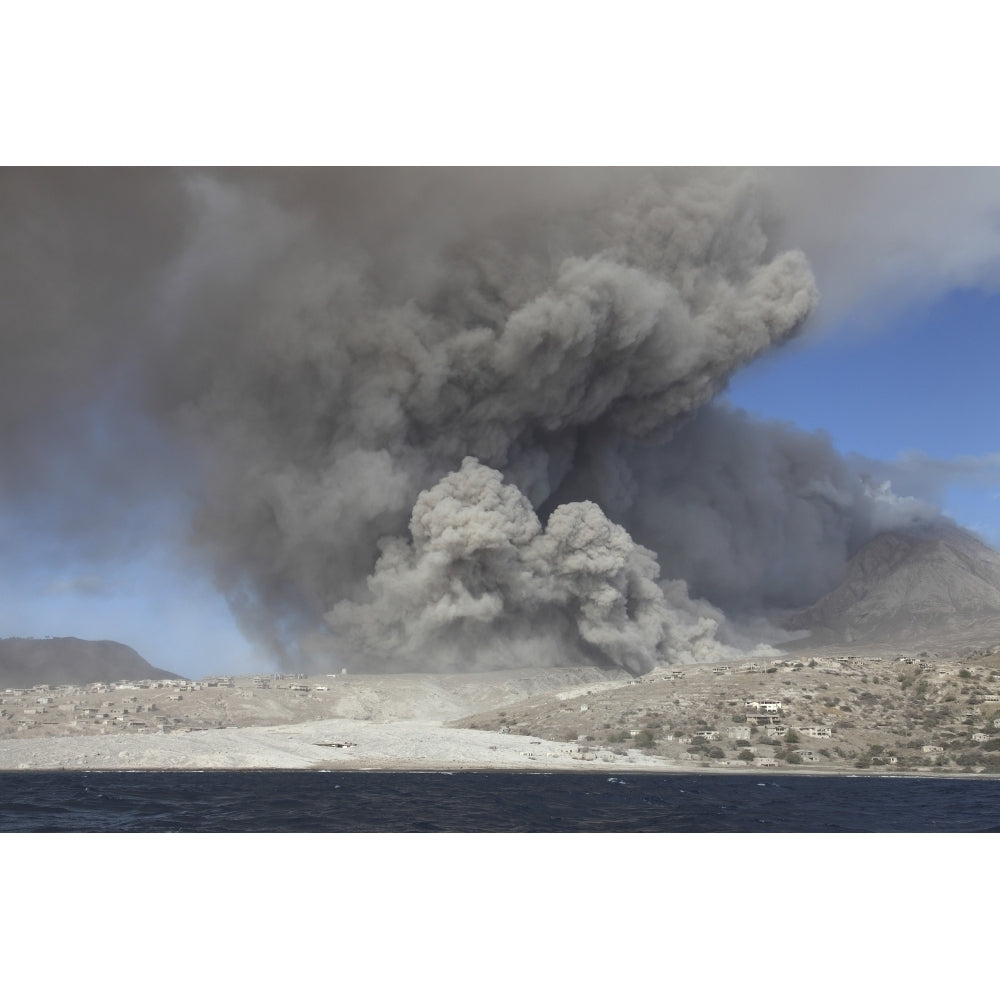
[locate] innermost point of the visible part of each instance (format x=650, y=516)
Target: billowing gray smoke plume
x=361, y=381
x=484, y=582
x=450, y=419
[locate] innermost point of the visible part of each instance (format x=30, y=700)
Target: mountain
x=26, y=662
x=936, y=586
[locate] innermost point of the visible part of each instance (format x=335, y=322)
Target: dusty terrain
x=915, y=713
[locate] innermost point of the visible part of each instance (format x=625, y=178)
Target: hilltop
x=936, y=587
x=26, y=662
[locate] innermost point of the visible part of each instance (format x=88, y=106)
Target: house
x=776, y=730
x=769, y=705
x=817, y=732
x=738, y=732
x=980, y=737
x=708, y=734
x=765, y=762
x=931, y=748
x=991, y=697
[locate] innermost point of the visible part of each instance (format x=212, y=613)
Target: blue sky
x=924, y=382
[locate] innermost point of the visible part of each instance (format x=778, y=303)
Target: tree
x=645, y=739
x=792, y=736
x=746, y=755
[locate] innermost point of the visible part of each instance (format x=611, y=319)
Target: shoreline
x=386, y=747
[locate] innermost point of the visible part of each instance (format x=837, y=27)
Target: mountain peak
x=932, y=584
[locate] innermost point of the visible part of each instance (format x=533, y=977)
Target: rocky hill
x=935, y=586
x=26, y=662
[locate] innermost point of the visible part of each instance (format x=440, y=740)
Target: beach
x=404, y=745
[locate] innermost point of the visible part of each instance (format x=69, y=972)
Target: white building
x=765, y=705
x=817, y=732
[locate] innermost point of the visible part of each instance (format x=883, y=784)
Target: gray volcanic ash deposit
x=425, y=419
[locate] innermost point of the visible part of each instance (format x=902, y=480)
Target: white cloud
x=85, y=585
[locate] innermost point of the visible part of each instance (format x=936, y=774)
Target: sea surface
x=493, y=801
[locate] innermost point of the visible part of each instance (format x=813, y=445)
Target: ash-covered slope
x=935, y=584
x=26, y=662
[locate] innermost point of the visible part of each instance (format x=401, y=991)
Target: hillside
x=26, y=662
x=935, y=586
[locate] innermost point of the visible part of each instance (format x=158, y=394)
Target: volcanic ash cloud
x=350, y=382
x=483, y=584
x=305, y=360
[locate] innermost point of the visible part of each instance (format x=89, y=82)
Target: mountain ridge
x=68, y=660
x=930, y=584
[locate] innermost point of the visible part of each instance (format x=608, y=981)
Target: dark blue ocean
x=494, y=801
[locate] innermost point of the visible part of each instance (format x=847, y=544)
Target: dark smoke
x=439, y=419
